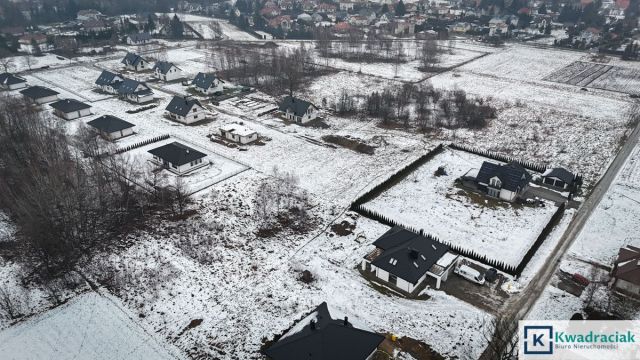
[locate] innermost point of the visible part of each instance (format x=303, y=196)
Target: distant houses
x=403, y=260
x=238, y=133
x=70, y=109
x=9, y=81
x=134, y=62
x=40, y=94
x=298, y=110
x=185, y=110
x=139, y=39
x=207, y=83
x=325, y=335
x=111, y=128
x=166, y=71
x=178, y=158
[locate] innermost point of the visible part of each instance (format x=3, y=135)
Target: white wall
x=47, y=99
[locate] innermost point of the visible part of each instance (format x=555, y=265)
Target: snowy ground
x=500, y=231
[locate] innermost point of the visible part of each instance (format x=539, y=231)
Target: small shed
x=238, y=133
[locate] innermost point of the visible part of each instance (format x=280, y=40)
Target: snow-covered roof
x=238, y=129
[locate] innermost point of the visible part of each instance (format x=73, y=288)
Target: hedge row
x=142, y=143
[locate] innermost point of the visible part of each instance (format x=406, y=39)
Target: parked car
x=491, y=275
x=470, y=274
x=580, y=279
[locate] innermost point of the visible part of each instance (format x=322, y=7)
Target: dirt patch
x=193, y=324
x=350, y=143
x=343, y=228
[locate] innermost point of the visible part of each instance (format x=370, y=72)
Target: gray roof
x=38, y=92
x=163, y=66
x=177, y=154
x=204, y=80
x=109, y=124
x=137, y=37
x=413, y=254
x=69, y=105
x=107, y=78
x=129, y=86
x=181, y=106
x=296, y=106
x=10, y=79
x=131, y=59
x=561, y=173
x=513, y=176
x=326, y=339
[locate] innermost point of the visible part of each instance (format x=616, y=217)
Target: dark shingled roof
x=512, y=175
x=562, y=174
x=69, y=105
x=326, y=339
x=413, y=254
x=38, y=92
x=129, y=86
x=107, y=78
x=109, y=124
x=627, y=265
x=163, y=66
x=131, y=59
x=297, y=106
x=204, y=80
x=10, y=79
x=181, y=106
x=177, y=154
x=137, y=37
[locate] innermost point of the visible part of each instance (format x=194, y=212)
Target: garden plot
x=78, y=80
x=599, y=76
x=432, y=203
x=626, y=80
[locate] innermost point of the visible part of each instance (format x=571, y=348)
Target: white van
x=470, y=274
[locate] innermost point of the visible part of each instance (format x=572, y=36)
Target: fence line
x=142, y=143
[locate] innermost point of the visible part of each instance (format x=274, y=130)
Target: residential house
x=178, y=158
x=560, y=178
x=133, y=61
x=325, y=334
x=111, y=128
x=40, y=94
x=109, y=82
x=135, y=91
x=88, y=14
x=326, y=8
x=139, y=38
x=166, y=71
x=404, y=259
x=185, y=110
x=590, y=35
x=498, y=27
x=298, y=110
x=208, y=83
x=282, y=21
x=70, y=109
x=625, y=277
x=238, y=133
x=506, y=182
x=31, y=43
x=9, y=81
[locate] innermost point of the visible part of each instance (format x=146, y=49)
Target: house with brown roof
x=625, y=277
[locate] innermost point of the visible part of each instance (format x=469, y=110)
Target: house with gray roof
x=166, y=71
x=298, y=110
x=111, y=127
x=559, y=178
x=9, y=81
x=403, y=259
x=506, y=182
x=207, y=83
x=325, y=334
x=135, y=91
x=135, y=62
x=40, y=94
x=139, y=39
x=186, y=110
x=178, y=158
x=109, y=81
x=70, y=109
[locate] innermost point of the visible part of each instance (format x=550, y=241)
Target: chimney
x=312, y=324
x=413, y=253
x=346, y=321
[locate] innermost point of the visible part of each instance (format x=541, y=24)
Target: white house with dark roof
x=40, y=94
x=207, y=83
x=109, y=82
x=135, y=91
x=298, y=110
x=9, y=81
x=139, y=39
x=238, y=133
x=506, y=182
x=326, y=334
x=559, y=178
x=178, y=158
x=166, y=71
x=404, y=259
x=111, y=127
x=70, y=109
x=135, y=62
x=185, y=110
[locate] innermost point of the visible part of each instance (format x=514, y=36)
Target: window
x=393, y=261
x=393, y=279
x=195, y=109
x=173, y=166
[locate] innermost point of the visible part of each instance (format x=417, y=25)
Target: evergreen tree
x=400, y=9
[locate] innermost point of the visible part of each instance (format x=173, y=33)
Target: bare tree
x=501, y=335
x=430, y=54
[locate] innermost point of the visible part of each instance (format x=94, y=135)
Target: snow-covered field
x=90, y=326
x=501, y=231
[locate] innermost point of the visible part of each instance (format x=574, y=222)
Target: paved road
x=517, y=307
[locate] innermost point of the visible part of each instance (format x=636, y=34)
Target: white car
x=470, y=274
